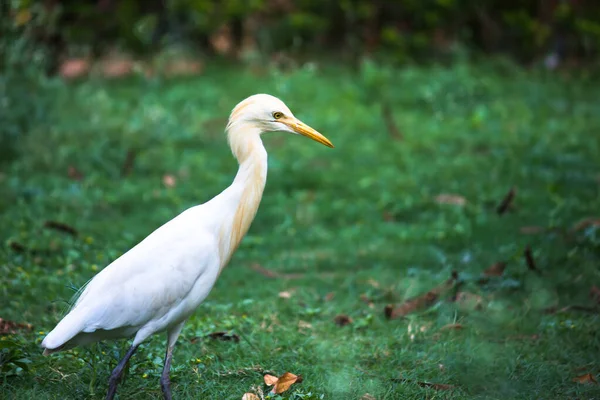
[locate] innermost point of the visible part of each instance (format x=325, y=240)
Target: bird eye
x=277, y=114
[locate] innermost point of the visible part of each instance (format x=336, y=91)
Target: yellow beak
x=305, y=130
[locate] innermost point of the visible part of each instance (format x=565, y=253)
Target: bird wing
x=151, y=282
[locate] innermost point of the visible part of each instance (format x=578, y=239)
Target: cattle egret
x=158, y=284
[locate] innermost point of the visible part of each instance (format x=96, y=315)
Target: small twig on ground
x=575, y=307
x=61, y=227
x=530, y=260
x=128, y=163
x=388, y=118
x=507, y=201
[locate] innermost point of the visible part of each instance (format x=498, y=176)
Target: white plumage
x=158, y=284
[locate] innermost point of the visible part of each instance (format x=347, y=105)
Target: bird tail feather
x=67, y=329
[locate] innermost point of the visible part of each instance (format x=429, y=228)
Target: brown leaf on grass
x=388, y=216
x=587, y=378
x=342, y=320
x=169, y=180
x=224, y=336
x=421, y=302
x=60, y=226
x=373, y=283
x=595, y=294
x=365, y=299
x=304, y=325
x=496, y=269
x=183, y=67
x=285, y=381
x=329, y=296
x=436, y=386
x=448, y=198
x=368, y=396
x=285, y=294
x=222, y=40
x=453, y=327
x=531, y=230
x=585, y=223
x=270, y=380
x=74, y=68
x=74, y=173
x=282, y=383
x=273, y=274
x=529, y=260
x=250, y=396
x=10, y=327
x=116, y=66
x=507, y=201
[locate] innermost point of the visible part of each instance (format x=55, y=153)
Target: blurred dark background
x=551, y=31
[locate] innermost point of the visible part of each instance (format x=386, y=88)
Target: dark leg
x=165, y=381
x=117, y=372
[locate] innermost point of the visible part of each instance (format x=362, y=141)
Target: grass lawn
x=342, y=231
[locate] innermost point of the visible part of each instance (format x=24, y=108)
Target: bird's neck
x=246, y=190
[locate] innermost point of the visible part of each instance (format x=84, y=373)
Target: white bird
x=158, y=284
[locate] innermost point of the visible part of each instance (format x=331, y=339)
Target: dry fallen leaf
x=169, y=181
x=373, y=283
x=250, y=396
x=273, y=274
x=454, y=199
x=74, y=173
x=183, y=67
x=587, y=378
x=329, y=296
x=283, y=383
x=365, y=299
x=422, y=301
x=285, y=294
x=74, y=68
x=116, y=66
x=368, y=396
x=342, y=320
x=10, y=327
x=531, y=230
x=388, y=216
x=304, y=325
x=270, y=380
x=496, y=269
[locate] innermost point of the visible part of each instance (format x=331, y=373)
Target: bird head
x=270, y=114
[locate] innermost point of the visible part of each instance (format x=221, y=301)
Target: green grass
x=359, y=219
